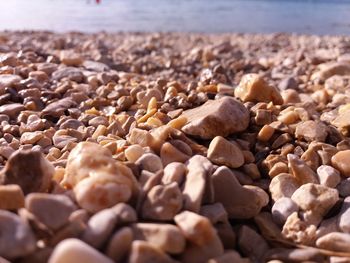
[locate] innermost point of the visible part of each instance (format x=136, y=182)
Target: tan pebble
x=145, y=252
x=70, y=58
x=73, y=250
x=178, y=123
x=289, y=117
x=223, y=152
x=341, y=162
x=166, y=237
x=100, y=130
x=298, y=231
x=198, y=230
x=169, y=154
x=265, y=133
x=219, y=117
x=133, y=152
x=254, y=88
x=303, y=173
x=11, y=197
x=278, y=168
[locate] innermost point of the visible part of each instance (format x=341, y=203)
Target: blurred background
x=245, y=16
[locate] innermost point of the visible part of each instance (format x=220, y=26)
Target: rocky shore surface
x=152, y=148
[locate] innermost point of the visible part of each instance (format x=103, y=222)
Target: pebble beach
x=174, y=147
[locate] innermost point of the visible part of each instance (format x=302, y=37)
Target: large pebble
x=199, y=169
x=316, y=200
x=239, y=201
x=344, y=216
x=162, y=202
x=119, y=244
x=204, y=241
x=252, y=244
x=328, y=176
x=144, y=252
x=335, y=241
x=223, y=152
x=7, y=80
x=283, y=185
x=73, y=250
x=216, y=118
x=282, y=209
x=51, y=210
x=253, y=87
x=11, y=197
x=341, y=161
x=100, y=227
x=166, y=237
x=98, y=181
x=331, y=69
x=70, y=73
x=12, y=110
x=16, y=238
x=311, y=131
x=30, y=170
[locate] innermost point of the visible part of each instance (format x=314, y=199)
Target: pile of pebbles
x=174, y=147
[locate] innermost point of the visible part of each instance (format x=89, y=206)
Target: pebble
x=253, y=87
x=120, y=244
x=282, y=209
x=201, y=234
x=344, y=216
x=311, y=131
x=70, y=73
x=316, y=200
x=162, y=202
x=73, y=250
x=8, y=80
x=223, y=152
x=166, y=237
x=199, y=169
x=51, y=210
x=239, y=201
x=100, y=227
x=12, y=110
x=133, y=152
x=150, y=162
x=70, y=58
x=341, y=162
x=174, y=172
x=335, y=242
x=11, y=197
x=28, y=169
x=17, y=238
x=220, y=117
x=328, y=176
x=144, y=252
x=252, y=244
